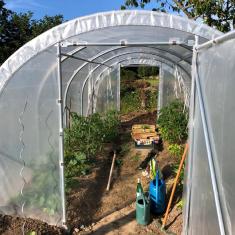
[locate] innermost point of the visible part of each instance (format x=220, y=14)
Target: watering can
x=142, y=210
x=157, y=192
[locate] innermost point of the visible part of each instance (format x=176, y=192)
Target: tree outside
x=215, y=13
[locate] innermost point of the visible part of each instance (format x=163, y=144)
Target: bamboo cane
x=174, y=186
x=111, y=171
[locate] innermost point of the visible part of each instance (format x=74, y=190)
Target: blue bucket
x=157, y=192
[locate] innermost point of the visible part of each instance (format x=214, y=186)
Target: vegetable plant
x=173, y=121
x=85, y=139
x=131, y=102
x=181, y=176
x=43, y=193
x=151, y=100
x=176, y=150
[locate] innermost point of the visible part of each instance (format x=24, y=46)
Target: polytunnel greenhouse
x=75, y=67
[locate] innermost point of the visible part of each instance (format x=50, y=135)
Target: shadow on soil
x=149, y=118
x=82, y=208
x=118, y=223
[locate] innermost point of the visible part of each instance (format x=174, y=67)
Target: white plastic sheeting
x=107, y=94
x=92, y=48
x=174, y=84
x=29, y=150
x=214, y=71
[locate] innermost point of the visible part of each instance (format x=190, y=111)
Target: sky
x=70, y=9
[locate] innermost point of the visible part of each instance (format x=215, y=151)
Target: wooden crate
x=144, y=135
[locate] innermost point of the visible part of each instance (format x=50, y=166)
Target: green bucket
x=142, y=210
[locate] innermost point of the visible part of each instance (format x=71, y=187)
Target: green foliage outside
x=219, y=14
x=18, y=28
x=140, y=72
x=151, y=100
x=129, y=74
x=173, y=121
x=147, y=71
x=130, y=102
x=85, y=139
x=138, y=89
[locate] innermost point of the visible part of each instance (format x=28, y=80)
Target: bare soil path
x=116, y=211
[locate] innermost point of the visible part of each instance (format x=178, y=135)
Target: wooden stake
x=111, y=171
x=174, y=186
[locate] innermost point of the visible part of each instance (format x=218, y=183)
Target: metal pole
x=114, y=57
x=227, y=36
x=118, y=88
x=160, y=90
x=191, y=142
x=102, y=54
x=129, y=44
x=209, y=150
x=61, y=133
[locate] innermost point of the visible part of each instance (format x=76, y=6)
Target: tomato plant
x=173, y=122
x=85, y=138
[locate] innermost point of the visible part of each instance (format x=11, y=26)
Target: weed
x=118, y=162
x=136, y=157
x=125, y=148
x=180, y=204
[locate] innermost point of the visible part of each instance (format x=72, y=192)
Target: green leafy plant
x=32, y=233
x=181, y=176
x=43, y=193
x=176, y=150
x=136, y=157
x=76, y=164
x=125, y=148
x=118, y=162
x=85, y=135
x=151, y=100
x=180, y=204
x=85, y=139
x=111, y=124
x=131, y=102
x=173, y=121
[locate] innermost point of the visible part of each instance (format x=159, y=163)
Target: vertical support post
x=92, y=95
x=69, y=119
x=160, y=90
x=61, y=133
x=65, y=117
x=191, y=142
x=118, y=88
x=209, y=150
